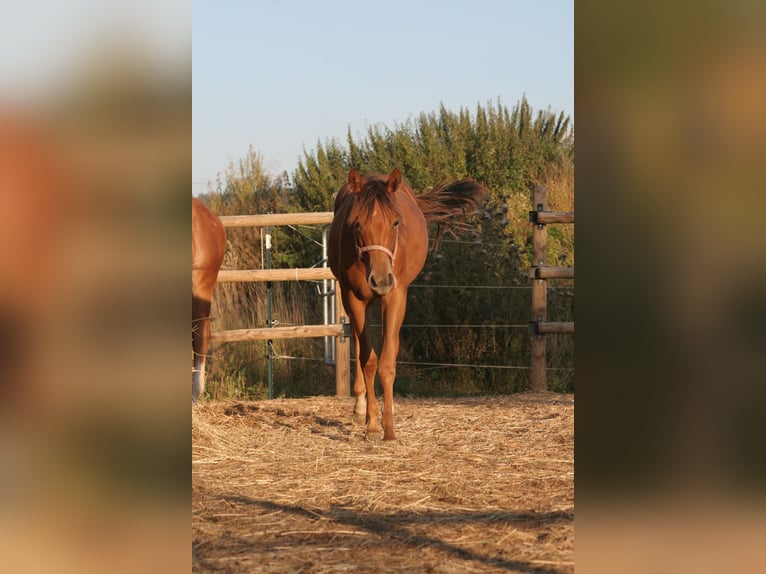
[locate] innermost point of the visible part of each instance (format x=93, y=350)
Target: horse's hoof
x=360, y=419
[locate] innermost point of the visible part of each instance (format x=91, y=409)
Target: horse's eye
x=396, y=223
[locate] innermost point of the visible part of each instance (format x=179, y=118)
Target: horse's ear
x=355, y=180
x=394, y=180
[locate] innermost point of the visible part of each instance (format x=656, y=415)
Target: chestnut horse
x=208, y=245
x=378, y=245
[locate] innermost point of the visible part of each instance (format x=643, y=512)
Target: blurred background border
x=95, y=124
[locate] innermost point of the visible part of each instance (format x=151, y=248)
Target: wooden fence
x=340, y=329
x=540, y=273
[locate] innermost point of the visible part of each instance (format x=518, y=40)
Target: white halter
x=391, y=254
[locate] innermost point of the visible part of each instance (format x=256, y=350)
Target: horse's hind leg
x=360, y=390
x=200, y=338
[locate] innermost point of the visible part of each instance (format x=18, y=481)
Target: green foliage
x=507, y=150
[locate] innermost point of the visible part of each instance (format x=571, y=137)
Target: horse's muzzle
x=381, y=283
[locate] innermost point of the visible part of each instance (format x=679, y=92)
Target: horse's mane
x=374, y=192
x=447, y=205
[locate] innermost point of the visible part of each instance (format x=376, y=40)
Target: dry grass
x=472, y=485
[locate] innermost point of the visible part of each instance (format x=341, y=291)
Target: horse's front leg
x=392, y=310
x=366, y=407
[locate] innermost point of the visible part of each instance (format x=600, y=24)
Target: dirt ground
x=471, y=485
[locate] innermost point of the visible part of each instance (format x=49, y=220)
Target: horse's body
x=208, y=245
x=378, y=245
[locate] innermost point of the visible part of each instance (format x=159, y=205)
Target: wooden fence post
x=342, y=351
x=539, y=294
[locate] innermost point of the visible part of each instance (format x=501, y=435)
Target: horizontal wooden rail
x=545, y=217
x=299, y=332
x=261, y=275
x=546, y=272
x=552, y=328
x=264, y=219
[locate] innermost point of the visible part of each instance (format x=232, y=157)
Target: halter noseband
x=391, y=254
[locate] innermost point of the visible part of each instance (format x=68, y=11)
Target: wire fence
x=304, y=231
x=435, y=365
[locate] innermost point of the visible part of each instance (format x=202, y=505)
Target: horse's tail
x=448, y=205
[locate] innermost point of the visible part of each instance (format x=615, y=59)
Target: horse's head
x=375, y=222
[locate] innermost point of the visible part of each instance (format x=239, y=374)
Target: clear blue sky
x=281, y=75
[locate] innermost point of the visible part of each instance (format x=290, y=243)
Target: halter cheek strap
x=391, y=254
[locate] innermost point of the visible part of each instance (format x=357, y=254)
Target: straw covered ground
x=471, y=485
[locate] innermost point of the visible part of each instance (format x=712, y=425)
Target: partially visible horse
x=208, y=245
x=37, y=219
x=378, y=245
